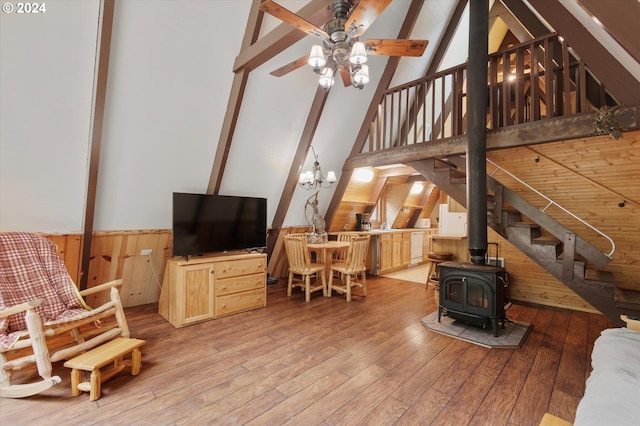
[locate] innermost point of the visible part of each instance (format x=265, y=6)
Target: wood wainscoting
x=116, y=254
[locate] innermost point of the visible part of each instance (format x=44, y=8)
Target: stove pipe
x=476, y=130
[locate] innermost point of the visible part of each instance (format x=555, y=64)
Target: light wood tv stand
x=205, y=288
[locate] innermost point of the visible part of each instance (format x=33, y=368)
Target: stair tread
x=628, y=298
x=602, y=277
x=524, y=225
x=597, y=275
x=548, y=241
x=577, y=258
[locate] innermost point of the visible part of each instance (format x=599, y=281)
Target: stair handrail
x=553, y=203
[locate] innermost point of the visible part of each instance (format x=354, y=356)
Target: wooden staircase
x=570, y=259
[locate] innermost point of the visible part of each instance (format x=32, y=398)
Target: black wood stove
x=476, y=294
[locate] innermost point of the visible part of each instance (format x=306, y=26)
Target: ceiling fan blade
x=364, y=14
x=291, y=66
x=346, y=76
x=274, y=9
x=379, y=46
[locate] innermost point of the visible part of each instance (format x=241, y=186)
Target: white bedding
x=612, y=394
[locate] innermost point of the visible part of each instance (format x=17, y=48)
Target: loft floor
x=331, y=362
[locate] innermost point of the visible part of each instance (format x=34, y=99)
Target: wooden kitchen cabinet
x=209, y=287
x=428, y=240
x=386, y=252
x=396, y=260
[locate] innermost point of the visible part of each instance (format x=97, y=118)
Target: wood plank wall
x=589, y=177
x=117, y=255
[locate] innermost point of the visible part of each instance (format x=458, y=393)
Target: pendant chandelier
x=315, y=178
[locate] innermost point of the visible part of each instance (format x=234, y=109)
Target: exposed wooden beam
x=105, y=24
x=234, y=103
x=615, y=77
x=447, y=36
x=550, y=130
x=304, y=144
x=526, y=17
x=385, y=80
x=283, y=36
x=620, y=20
x=228, y=128
x=255, y=52
x=516, y=27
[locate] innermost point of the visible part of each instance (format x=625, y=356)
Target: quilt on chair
x=30, y=269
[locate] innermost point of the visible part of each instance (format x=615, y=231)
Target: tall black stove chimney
x=475, y=292
x=476, y=130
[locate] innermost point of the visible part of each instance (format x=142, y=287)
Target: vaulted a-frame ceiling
x=337, y=122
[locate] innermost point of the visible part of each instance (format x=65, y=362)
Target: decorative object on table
x=315, y=220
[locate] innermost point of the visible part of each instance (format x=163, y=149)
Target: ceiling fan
x=341, y=49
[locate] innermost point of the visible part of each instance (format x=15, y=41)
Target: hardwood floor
x=329, y=362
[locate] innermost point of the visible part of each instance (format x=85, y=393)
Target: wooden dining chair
x=301, y=269
x=341, y=255
x=352, y=271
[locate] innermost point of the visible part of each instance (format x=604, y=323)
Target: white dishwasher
x=417, y=239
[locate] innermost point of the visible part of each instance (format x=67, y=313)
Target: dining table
x=326, y=250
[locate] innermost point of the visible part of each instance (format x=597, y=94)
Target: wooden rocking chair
x=39, y=301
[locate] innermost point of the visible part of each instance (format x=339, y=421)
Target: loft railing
x=540, y=79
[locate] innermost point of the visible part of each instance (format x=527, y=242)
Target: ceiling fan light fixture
x=341, y=47
x=326, y=78
x=358, y=53
x=361, y=76
x=316, y=57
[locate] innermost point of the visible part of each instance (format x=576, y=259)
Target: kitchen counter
x=393, y=249
x=382, y=232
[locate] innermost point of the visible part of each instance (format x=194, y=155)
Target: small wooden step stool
x=113, y=351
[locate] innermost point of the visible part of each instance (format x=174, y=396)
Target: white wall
x=169, y=82
x=46, y=81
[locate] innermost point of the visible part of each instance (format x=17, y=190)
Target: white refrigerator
x=452, y=223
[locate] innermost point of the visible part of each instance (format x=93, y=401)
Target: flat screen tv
x=206, y=223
